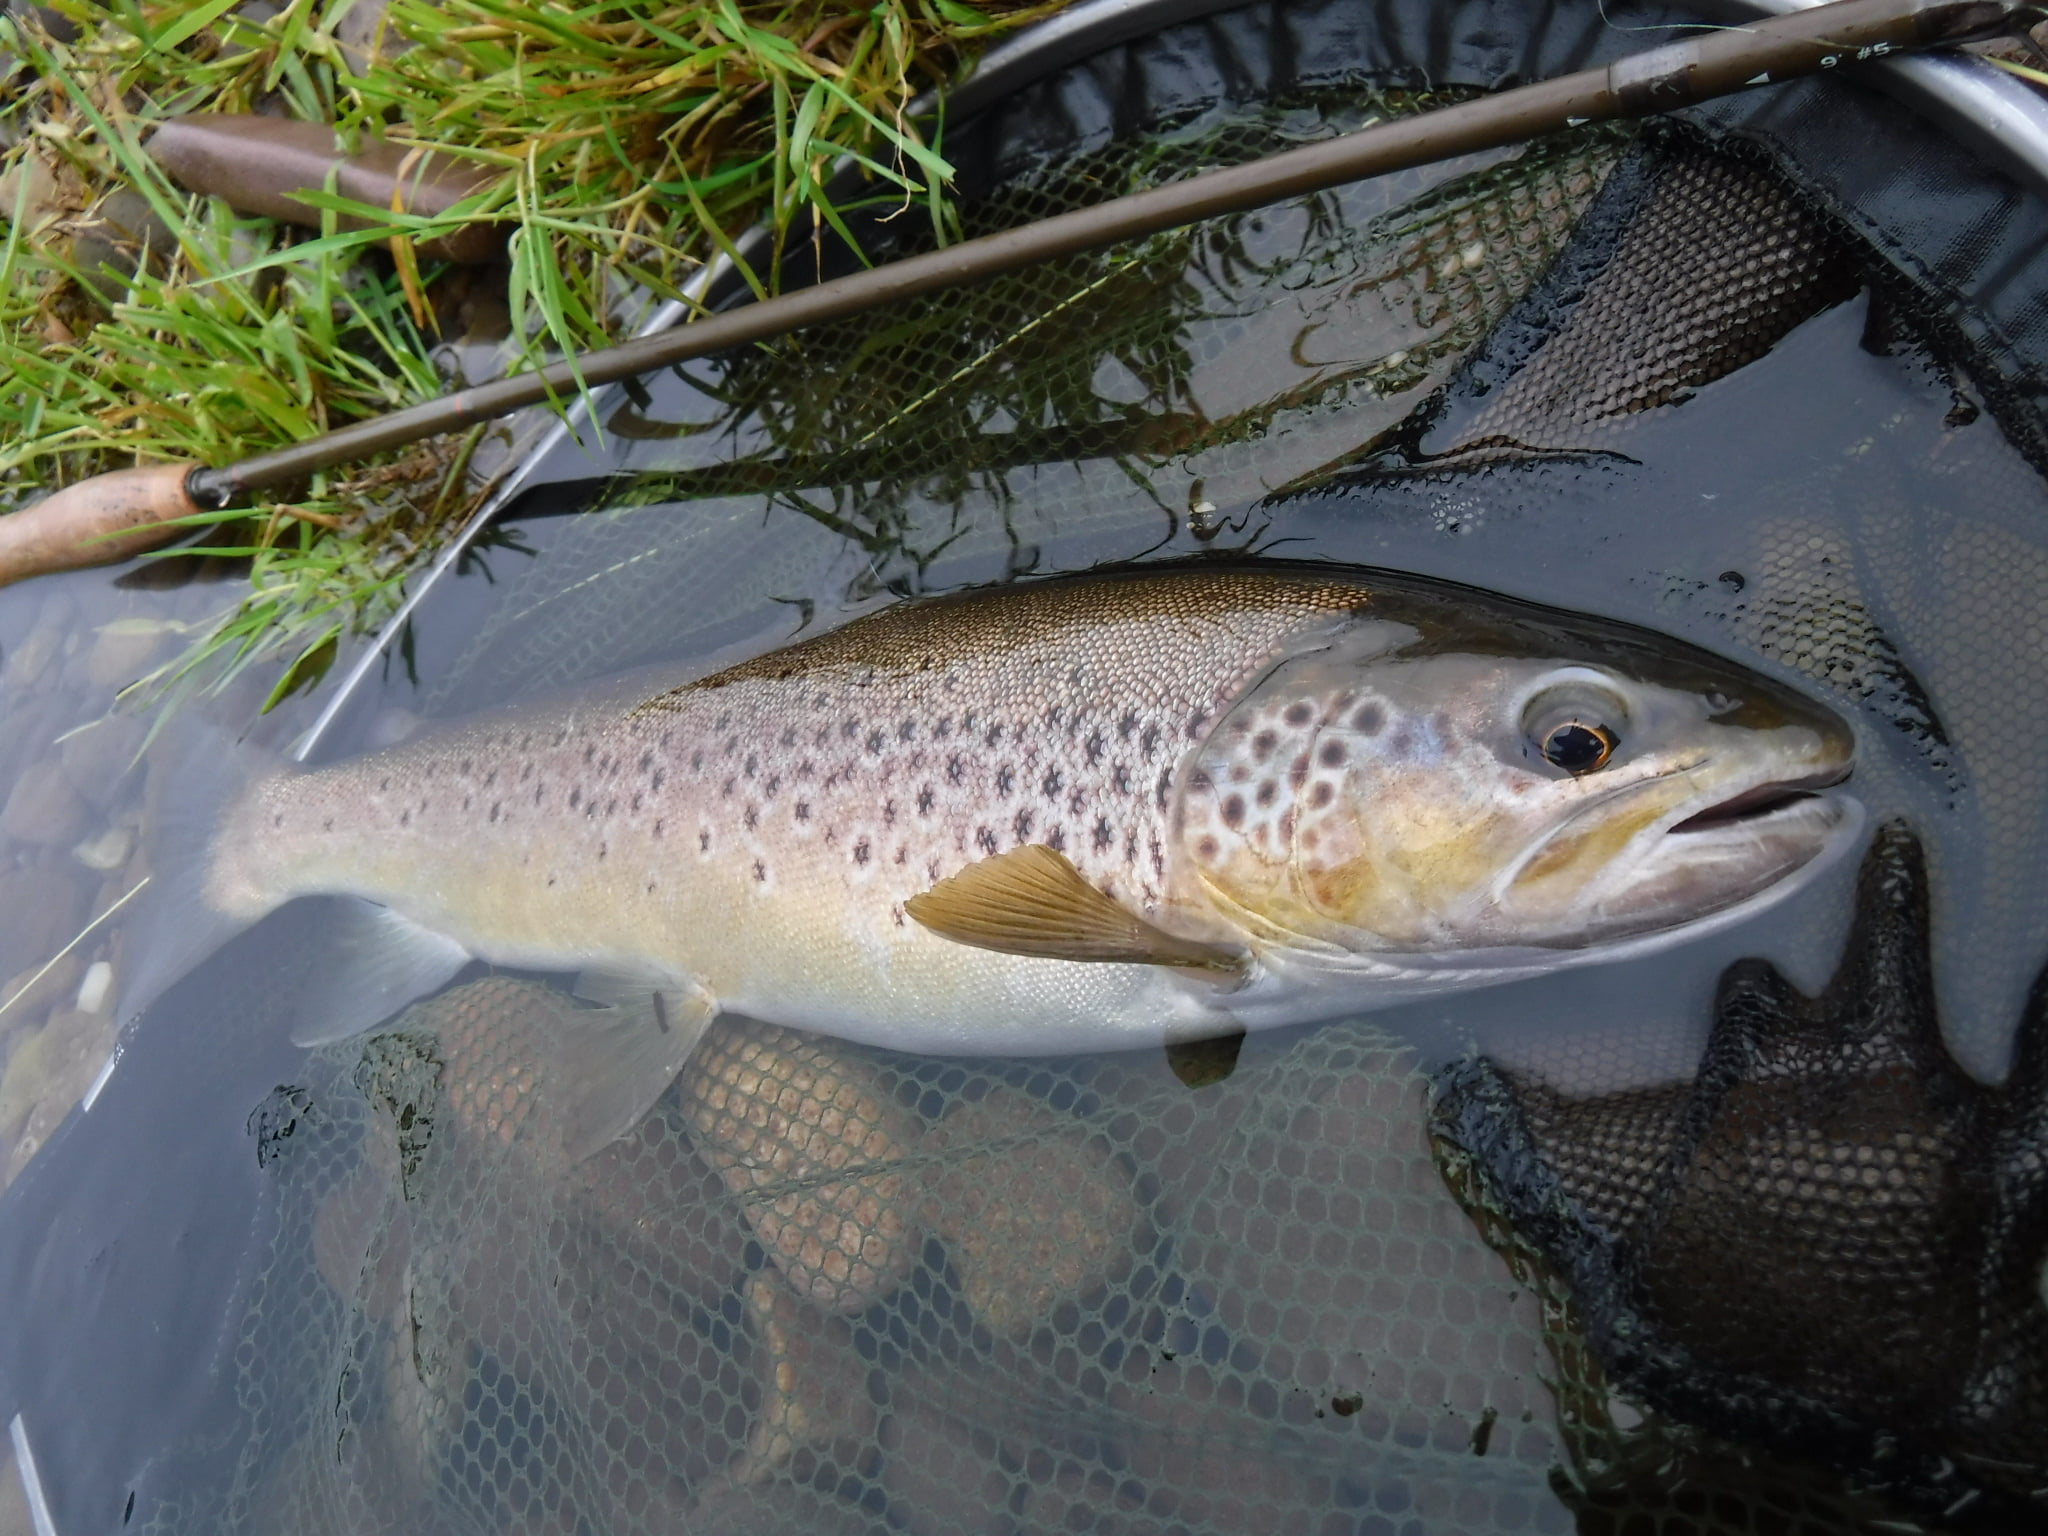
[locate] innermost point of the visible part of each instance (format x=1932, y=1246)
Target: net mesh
x=829, y=1288
x=1240, y=355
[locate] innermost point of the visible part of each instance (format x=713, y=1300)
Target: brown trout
x=1083, y=814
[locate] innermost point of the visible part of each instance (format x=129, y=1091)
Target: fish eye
x=1579, y=746
x=1576, y=724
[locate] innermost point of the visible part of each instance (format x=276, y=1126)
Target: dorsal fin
x=1032, y=901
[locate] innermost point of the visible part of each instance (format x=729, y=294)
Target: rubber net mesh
x=1335, y=1289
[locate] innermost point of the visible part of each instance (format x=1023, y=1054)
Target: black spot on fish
x=906, y=729
x=772, y=786
x=603, y=850
x=1149, y=742
x=760, y=870
x=650, y=887
x=1056, y=839
x=876, y=741
x=1120, y=778
x=1006, y=779
x=1104, y=834
x=1264, y=743
x=803, y=810
x=931, y=870
x=1299, y=714
x=956, y=769
x=1233, y=811
x=1207, y=849
x=726, y=789
x=277, y=820
x=1093, y=747
x=575, y=798
x=888, y=813
x=525, y=772
x=1164, y=789
x=862, y=852
x=902, y=854
x=384, y=783
x=1297, y=771
x=1052, y=784
x=985, y=839
x=589, y=752
x=495, y=804
x=752, y=765
x=732, y=746
x=1127, y=723
x=848, y=729
x=752, y=818
x=926, y=799
x=1268, y=792
x=405, y=818
x=1022, y=825
x=1322, y=795
x=788, y=737
x=539, y=790
x=327, y=825
x=1402, y=742
x=646, y=762
x=696, y=762
x=944, y=728
x=1332, y=754
x=897, y=913
x=995, y=735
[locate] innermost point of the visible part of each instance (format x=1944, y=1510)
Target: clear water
x=1826, y=466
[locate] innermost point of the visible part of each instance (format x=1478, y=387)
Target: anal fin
x=1032, y=901
x=376, y=962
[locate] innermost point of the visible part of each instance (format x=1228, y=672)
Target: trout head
x=1408, y=784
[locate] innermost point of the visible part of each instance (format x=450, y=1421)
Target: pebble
x=93, y=991
x=42, y=808
x=774, y=1111
x=107, y=851
x=1034, y=1205
x=123, y=650
x=44, y=907
x=37, y=989
x=97, y=757
x=27, y=662
x=813, y=1385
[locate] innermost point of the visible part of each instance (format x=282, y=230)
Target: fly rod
x=114, y=515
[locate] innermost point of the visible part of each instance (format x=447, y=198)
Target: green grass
x=631, y=142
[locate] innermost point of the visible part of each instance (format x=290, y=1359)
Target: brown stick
x=95, y=522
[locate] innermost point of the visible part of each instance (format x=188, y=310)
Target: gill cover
x=1267, y=819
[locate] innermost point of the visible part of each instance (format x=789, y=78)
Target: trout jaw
x=1673, y=860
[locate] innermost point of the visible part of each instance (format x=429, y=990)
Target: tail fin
x=197, y=771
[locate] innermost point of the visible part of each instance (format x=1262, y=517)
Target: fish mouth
x=1761, y=803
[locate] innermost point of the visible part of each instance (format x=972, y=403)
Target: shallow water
x=1824, y=474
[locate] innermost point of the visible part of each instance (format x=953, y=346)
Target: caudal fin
x=197, y=771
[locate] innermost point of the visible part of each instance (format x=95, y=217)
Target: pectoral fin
x=1032, y=901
